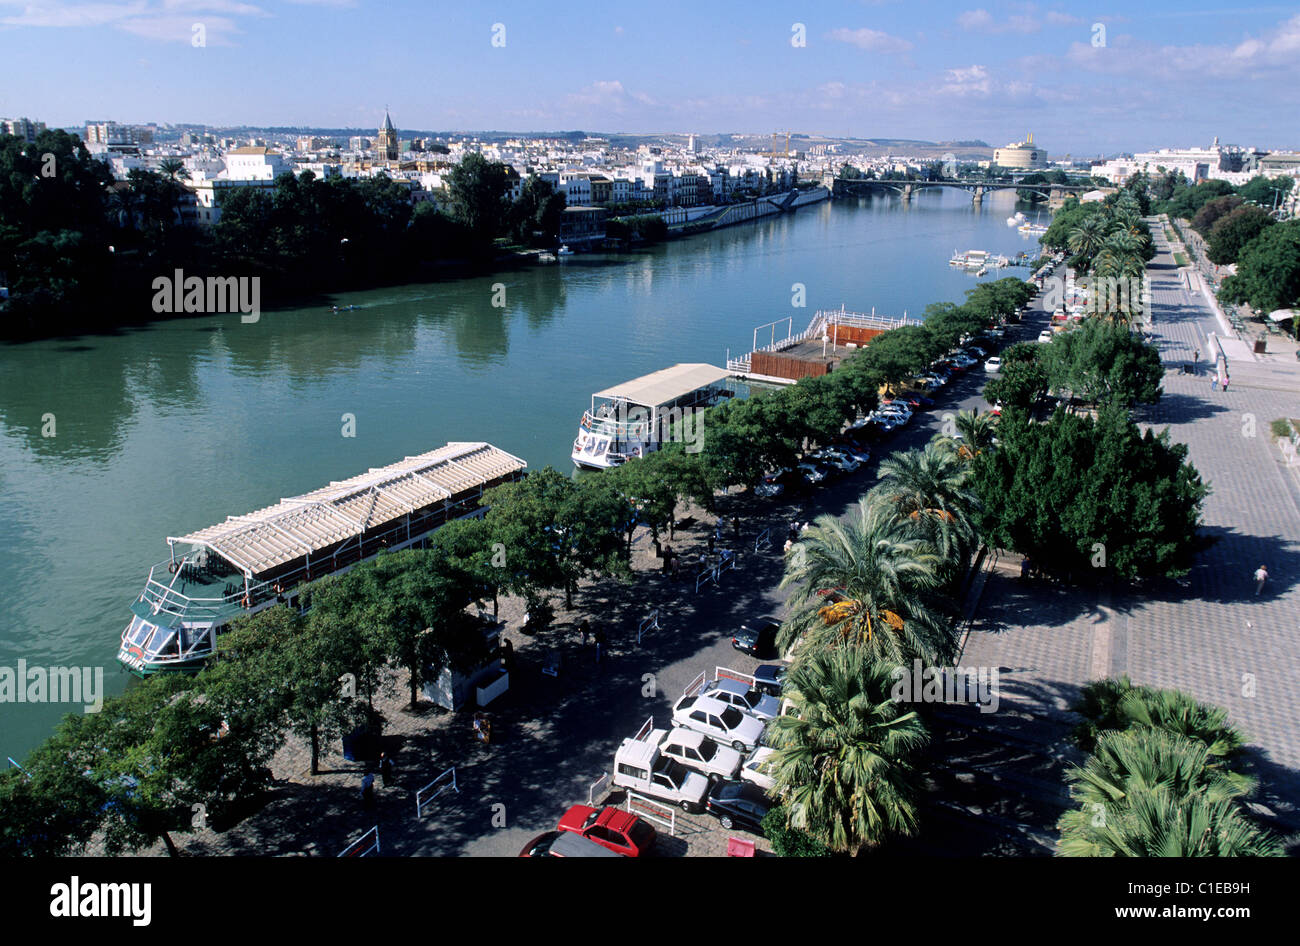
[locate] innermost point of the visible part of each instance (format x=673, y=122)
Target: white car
x=697, y=751
x=993, y=365
x=840, y=462
x=745, y=698
x=756, y=769
x=1045, y=335
x=719, y=721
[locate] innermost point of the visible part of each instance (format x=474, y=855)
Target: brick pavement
x=1207, y=634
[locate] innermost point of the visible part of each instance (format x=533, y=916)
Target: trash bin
x=1260, y=346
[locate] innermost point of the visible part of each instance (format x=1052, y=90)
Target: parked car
x=1045, y=335
x=854, y=452
x=993, y=365
x=758, y=637
x=918, y=402
x=836, y=461
x=641, y=767
x=768, y=488
x=756, y=770
x=745, y=698
x=620, y=831
x=697, y=751
x=813, y=473
x=770, y=678
x=719, y=721
x=739, y=804
x=565, y=844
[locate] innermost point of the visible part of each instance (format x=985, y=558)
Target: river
x=166, y=428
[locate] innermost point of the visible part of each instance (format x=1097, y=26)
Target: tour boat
x=971, y=259
x=634, y=418
x=1033, y=228
x=253, y=562
x=564, y=251
x=546, y=257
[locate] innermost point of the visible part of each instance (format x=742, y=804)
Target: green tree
x=1151, y=793
x=844, y=758
x=1268, y=270
x=1103, y=361
x=863, y=581
x=1213, y=211
x=1233, y=231
x=927, y=490
x=1116, y=704
x=1078, y=494
x=478, y=189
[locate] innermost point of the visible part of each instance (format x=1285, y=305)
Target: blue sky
x=1168, y=74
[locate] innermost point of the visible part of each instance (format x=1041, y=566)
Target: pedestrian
x=600, y=643
x=789, y=544
x=1196, y=361
x=1261, y=576
x=508, y=654
x=677, y=569
x=668, y=559
x=385, y=768
x=711, y=543
x=1226, y=379
x=1214, y=382
x=368, y=791
x=1024, y=568
x=735, y=528
x=585, y=629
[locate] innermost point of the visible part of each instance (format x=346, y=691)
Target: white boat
x=636, y=417
x=546, y=257
x=971, y=259
x=256, y=561
x=1033, y=228
x=565, y=251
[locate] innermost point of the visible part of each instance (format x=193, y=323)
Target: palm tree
x=843, y=758
x=173, y=168
x=865, y=581
x=1086, y=239
x=1150, y=793
x=928, y=488
x=976, y=434
x=1176, y=712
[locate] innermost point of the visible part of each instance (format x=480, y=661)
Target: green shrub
x=1281, y=428
x=790, y=842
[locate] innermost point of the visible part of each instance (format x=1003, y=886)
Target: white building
x=254, y=164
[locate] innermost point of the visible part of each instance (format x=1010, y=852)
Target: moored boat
x=252, y=562
x=636, y=417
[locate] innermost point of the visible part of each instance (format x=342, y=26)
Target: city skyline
x=1102, y=81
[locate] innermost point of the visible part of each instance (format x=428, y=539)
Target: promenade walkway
x=1207, y=634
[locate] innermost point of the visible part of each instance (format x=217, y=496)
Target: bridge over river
x=1055, y=193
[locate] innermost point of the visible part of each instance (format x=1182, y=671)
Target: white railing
x=362, y=847
x=598, y=789
x=696, y=685
x=763, y=540
x=443, y=785
x=710, y=573
x=646, y=728
x=649, y=623
x=652, y=810
x=728, y=562
x=15, y=765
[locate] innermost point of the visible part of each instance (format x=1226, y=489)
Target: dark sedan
x=770, y=678
x=757, y=638
x=738, y=804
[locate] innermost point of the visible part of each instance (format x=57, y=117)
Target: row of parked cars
x=712, y=759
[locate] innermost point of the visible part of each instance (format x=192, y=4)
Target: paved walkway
x=1207, y=634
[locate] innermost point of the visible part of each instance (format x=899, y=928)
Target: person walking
x=1196, y=361
x=1226, y=379
x=1214, y=382
x=1261, y=576
x=585, y=629
x=600, y=643
x=368, y=791
x=385, y=768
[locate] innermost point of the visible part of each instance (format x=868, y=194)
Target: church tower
x=386, y=148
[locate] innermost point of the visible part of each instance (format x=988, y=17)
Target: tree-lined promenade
x=868, y=593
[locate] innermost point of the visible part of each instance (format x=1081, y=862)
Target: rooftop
x=666, y=385
x=300, y=525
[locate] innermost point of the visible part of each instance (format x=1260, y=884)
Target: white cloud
x=873, y=40
x=163, y=20
x=1028, y=19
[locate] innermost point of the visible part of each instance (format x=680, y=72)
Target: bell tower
x=386, y=148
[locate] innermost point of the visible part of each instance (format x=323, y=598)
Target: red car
x=610, y=827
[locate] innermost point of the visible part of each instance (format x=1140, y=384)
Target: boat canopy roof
x=666, y=385
x=300, y=525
